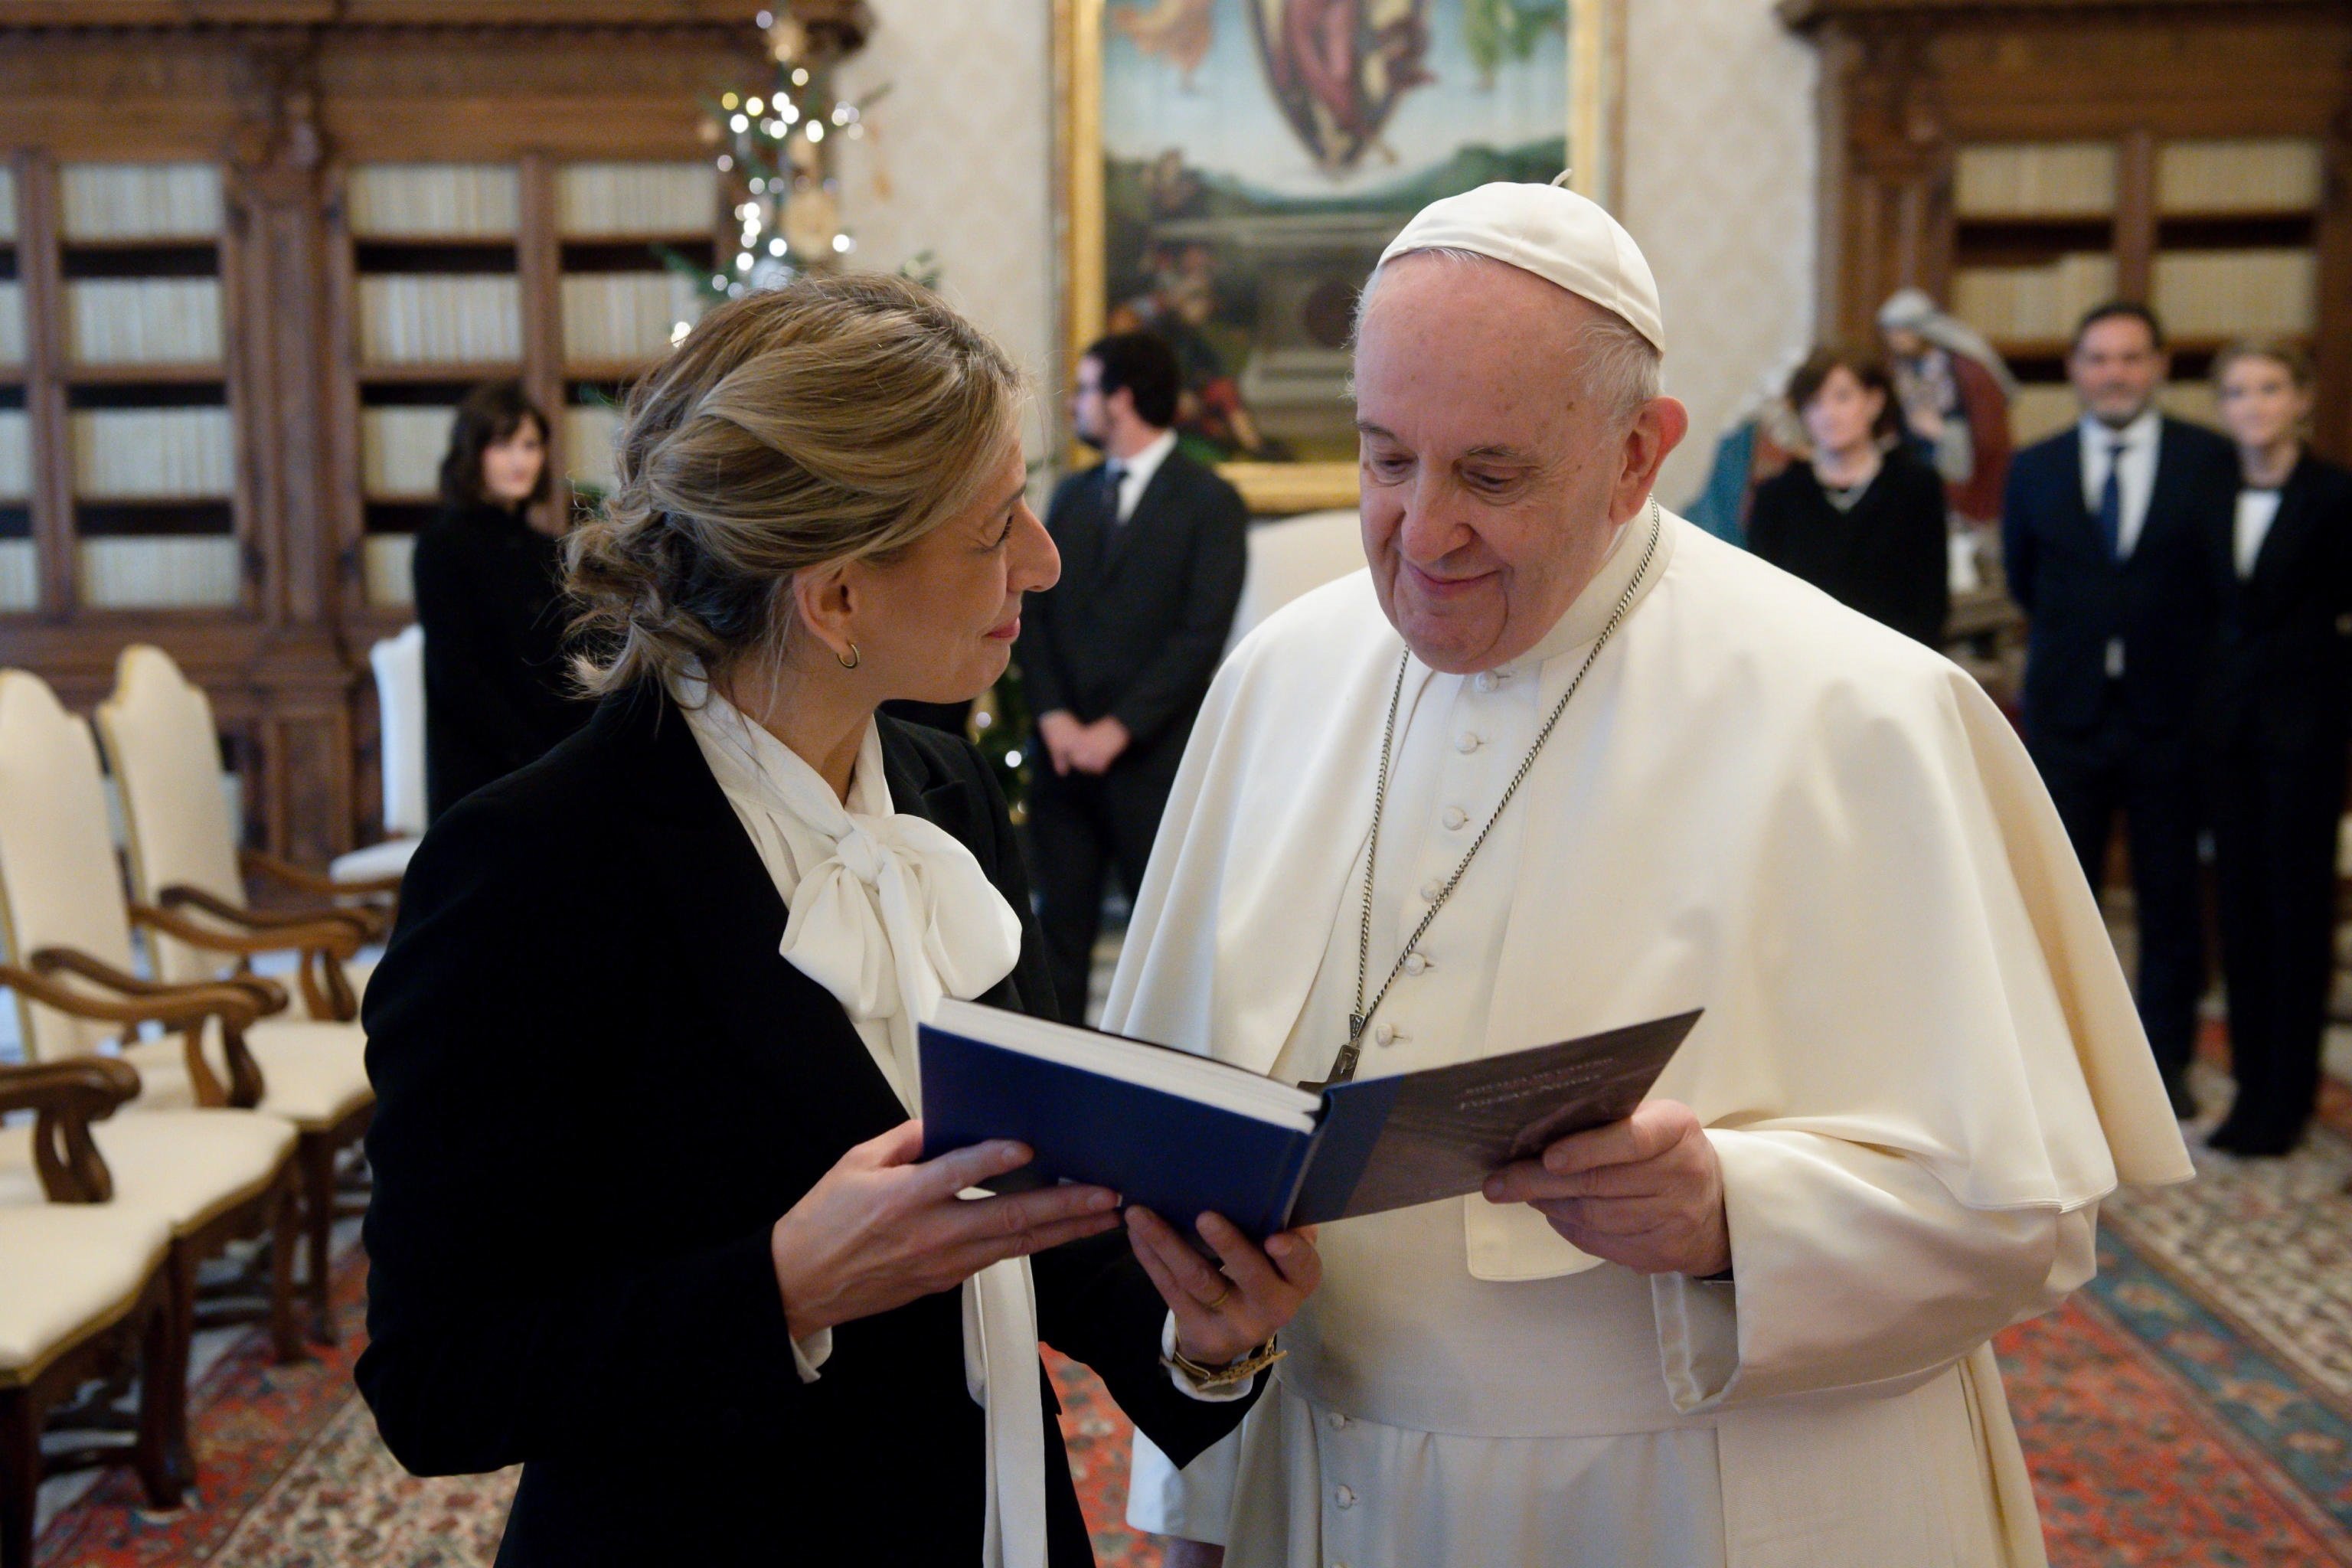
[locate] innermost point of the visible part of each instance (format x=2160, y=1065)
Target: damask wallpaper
x=958, y=160
x=1719, y=190
x=1717, y=181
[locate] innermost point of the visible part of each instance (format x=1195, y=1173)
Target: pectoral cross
x=1344, y=1070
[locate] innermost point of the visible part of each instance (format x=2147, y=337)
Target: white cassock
x=1919, y=1066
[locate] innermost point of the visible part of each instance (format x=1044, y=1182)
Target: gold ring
x=1220, y=1302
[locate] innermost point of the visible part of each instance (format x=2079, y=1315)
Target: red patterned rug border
x=2211, y=1419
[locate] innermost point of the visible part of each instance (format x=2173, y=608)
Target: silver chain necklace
x=1352, y=1052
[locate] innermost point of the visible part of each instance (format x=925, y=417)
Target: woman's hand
x=1223, y=1316
x=881, y=1229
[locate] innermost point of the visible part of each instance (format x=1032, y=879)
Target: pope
x=1559, y=761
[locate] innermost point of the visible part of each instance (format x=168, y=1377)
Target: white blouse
x=888, y=913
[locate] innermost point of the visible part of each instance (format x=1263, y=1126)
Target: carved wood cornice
x=78, y=16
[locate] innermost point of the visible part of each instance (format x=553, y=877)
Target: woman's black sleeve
x=496, y=1029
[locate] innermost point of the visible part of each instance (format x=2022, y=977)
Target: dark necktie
x=1114, y=477
x=2111, y=503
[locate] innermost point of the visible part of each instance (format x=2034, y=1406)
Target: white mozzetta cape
x=1919, y=1062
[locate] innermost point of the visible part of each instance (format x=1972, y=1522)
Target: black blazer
x=2160, y=600
x=1138, y=620
x=598, y=1086
x=1887, y=556
x=491, y=603
x=2282, y=675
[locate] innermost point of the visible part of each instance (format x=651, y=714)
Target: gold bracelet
x=1224, y=1376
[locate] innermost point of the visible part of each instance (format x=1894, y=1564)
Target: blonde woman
x=2277, y=718
x=649, y=1214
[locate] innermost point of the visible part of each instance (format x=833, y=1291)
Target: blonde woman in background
x=2276, y=721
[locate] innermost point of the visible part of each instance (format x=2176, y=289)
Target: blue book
x=1183, y=1135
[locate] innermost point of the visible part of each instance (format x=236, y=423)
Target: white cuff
x=1185, y=1385
x=811, y=1353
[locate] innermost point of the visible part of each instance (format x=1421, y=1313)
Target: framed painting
x=1232, y=170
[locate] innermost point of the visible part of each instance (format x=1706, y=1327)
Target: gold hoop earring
x=852, y=661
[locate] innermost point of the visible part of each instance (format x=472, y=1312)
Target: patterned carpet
x=2192, y=1408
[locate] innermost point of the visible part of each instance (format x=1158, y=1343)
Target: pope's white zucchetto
x=1552, y=232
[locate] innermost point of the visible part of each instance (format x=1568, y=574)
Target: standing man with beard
x=2104, y=533
x=1118, y=654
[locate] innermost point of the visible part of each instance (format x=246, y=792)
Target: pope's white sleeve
x=1194, y=1503
x=1854, y=1269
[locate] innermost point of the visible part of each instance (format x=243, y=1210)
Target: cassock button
x=1345, y=1497
x=1485, y=681
x=1453, y=818
x=1414, y=963
x=1429, y=889
x=1383, y=1034
x=1466, y=743
x=1339, y=1421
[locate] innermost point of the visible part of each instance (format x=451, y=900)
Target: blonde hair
x=833, y=419
x=2283, y=351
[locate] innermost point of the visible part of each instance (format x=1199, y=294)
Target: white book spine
x=12, y=321
x=401, y=451
x=20, y=575
x=8, y=203
x=2058, y=179
x=435, y=199
x=593, y=199
x=623, y=315
x=2235, y=293
x=145, y=321
x=16, y=455
x=140, y=201
x=440, y=318
x=588, y=432
x=385, y=569
x=154, y=453
x=2266, y=174
x=138, y=573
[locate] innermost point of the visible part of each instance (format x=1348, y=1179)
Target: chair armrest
x=267, y=997
x=186, y=1009
x=65, y=1097
x=323, y=944
x=258, y=863
x=172, y=1006
x=264, y=922
x=334, y=936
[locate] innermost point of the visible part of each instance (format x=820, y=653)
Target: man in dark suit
x=1118, y=655
x=2105, y=532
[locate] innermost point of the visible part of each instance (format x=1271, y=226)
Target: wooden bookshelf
x=300, y=560
x=2201, y=149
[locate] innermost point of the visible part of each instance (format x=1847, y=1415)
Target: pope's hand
x=1221, y=1316
x=1646, y=1192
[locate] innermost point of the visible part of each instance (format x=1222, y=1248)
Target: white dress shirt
x=2140, y=440
x=1135, y=472
x=2257, y=509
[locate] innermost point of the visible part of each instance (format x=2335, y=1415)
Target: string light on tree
x=777, y=148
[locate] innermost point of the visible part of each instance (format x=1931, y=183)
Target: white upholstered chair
x=1293, y=555
x=399, y=665
x=83, y=1274
x=68, y=939
x=185, y=866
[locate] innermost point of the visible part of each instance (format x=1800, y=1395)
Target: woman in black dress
x=497, y=694
x=1864, y=519
x=649, y=1217
x=2275, y=721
